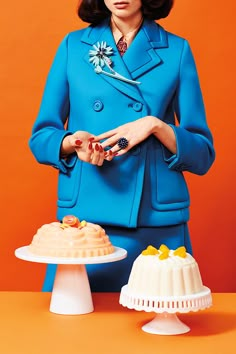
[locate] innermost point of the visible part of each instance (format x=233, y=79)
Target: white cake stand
x=71, y=294
x=166, y=321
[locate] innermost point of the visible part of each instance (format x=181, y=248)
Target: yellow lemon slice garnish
x=164, y=248
x=181, y=252
x=164, y=255
x=83, y=223
x=150, y=251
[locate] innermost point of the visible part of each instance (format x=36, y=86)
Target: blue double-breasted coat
x=96, y=103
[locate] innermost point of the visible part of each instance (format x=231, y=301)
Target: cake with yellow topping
x=71, y=238
x=165, y=272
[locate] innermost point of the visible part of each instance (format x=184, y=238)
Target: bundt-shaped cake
x=165, y=272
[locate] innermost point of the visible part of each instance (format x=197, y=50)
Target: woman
x=121, y=118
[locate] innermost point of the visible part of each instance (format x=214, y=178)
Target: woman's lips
x=121, y=4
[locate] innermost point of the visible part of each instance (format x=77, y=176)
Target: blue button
x=97, y=106
x=137, y=106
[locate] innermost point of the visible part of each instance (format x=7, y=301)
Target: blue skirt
x=110, y=277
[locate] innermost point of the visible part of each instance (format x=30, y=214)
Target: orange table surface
x=27, y=326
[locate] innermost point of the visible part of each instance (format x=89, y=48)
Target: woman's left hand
x=135, y=132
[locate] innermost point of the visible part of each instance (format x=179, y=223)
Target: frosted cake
x=71, y=238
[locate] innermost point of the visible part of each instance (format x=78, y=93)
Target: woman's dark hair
x=95, y=11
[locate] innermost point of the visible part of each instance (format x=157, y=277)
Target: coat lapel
x=140, y=57
x=142, y=54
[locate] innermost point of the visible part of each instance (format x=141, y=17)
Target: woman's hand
x=81, y=142
x=136, y=132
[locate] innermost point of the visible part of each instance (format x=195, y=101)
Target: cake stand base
x=166, y=324
x=166, y=321
x=71, y=291
x=71, y=294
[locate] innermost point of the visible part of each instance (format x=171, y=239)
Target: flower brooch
x=99, y=57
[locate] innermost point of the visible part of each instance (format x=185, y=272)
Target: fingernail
x=96, y=147
x=90, y=146
x=115, y=154
x=100, y=148
x=78, y=142
x=110, y=153
x=91, y=139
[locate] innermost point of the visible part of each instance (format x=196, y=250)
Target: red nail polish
x=115, y=154
x=90, y=146
x=78, y=142
x=91, y=139
x=100, y=148
x=96, y=147
x=110, y=153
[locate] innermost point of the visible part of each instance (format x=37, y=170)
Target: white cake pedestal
x=71, y=294
x=166, y=321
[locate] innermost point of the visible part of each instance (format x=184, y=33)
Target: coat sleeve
x=195, y=151
x=48, y=130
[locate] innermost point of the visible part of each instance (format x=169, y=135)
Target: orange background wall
x=30, y=32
